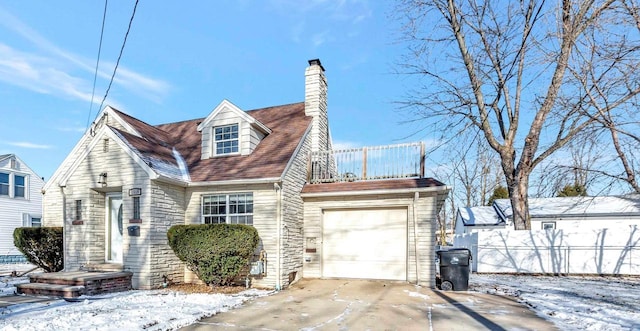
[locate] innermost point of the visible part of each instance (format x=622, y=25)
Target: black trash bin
x=454, y=269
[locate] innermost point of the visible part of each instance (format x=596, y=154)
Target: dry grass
x=201, y=288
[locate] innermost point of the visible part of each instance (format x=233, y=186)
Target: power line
x=124, y=42
x=95, y=75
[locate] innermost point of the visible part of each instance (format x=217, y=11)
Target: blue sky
x=182, y=58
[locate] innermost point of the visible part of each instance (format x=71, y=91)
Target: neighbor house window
x=548, y=225
x=136, y=208
x=78, y=210
x=36, y=222
x=228, y=208
x=33, y=221
x=226, y=139
x=4, y=184
x=18, y=186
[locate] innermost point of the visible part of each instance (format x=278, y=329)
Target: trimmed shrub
x=42, y=246
x=217, y=253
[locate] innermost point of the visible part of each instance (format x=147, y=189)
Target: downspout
x=278, y=189
x=416, y=195
x=64, y=229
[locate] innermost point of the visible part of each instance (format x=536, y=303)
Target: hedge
x=42, y=246
x=217, y=253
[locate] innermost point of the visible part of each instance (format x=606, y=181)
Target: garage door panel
x=365, y=243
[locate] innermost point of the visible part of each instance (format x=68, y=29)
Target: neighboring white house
x=20, y=203
x=127, y=182
x=569, y=235
x=568, y=213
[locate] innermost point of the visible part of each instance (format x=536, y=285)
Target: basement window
x=228, y=208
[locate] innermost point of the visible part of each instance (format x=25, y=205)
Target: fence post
x=309, y=174
x=422, y=159
x=364, y=163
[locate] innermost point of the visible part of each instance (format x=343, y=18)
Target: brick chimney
x=315, y=105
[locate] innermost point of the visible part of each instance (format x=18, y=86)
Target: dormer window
x=226, y=139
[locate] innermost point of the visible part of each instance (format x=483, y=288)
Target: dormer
x=230, y=131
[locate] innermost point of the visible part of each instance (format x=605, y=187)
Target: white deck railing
x=367, y=163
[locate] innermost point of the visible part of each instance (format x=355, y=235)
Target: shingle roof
x=480, y=216
x=372, y=185
x=576, y=206
x=269, y=159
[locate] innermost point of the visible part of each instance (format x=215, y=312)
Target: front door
x=114, y=228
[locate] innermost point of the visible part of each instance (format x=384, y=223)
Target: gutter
x=278, y=189
x=438, y=189
x=236, y=181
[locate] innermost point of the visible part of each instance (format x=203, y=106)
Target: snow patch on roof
x=481, y=215
x=576, y=206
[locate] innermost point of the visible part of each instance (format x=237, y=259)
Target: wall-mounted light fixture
x=103, y=179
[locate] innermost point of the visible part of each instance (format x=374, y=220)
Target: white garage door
x=370, y=244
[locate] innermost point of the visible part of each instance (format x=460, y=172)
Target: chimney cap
x=316, y=62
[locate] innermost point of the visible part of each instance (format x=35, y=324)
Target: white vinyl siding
x=13, y=211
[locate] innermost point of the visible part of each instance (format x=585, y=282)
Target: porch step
x=43, y=289
x=103, y=267
x=66, y=284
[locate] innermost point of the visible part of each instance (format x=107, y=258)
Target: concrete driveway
x=374, y=305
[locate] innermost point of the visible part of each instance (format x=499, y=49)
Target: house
x=127, y=182
x=569, y=235
x=554, y=213
x=20, y=203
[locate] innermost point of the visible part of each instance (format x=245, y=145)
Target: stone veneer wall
x=167, y=210
x=292, y=215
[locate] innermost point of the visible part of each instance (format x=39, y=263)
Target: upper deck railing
x=367, y=163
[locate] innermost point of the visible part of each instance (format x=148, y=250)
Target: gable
x=230, y=131
x=269, y=159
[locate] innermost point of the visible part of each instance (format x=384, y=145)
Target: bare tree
x=528, y=75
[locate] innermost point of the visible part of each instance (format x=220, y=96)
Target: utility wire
x=120, y=55
x=95, y=75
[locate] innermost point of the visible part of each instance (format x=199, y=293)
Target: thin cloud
x=25, y=144
x=72, y=129
x=341, y=145
x=61, y=62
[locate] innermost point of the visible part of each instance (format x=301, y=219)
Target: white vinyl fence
x=601, y=251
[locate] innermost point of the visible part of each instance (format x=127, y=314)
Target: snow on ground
x=132, y=310
x=7, y=282
x=571, y=303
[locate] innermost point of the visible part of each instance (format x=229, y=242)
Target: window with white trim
x=78, y=215
x=36, y=222
x=136, y=208
x=234, y=208
x=4, y=183
x=225, y=139
x=31, y=220
x=548, y=225
x=18, y=186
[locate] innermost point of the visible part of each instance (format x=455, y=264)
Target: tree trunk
x=520, y=202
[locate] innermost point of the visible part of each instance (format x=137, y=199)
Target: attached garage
x=381, y=229
x=365, y=243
